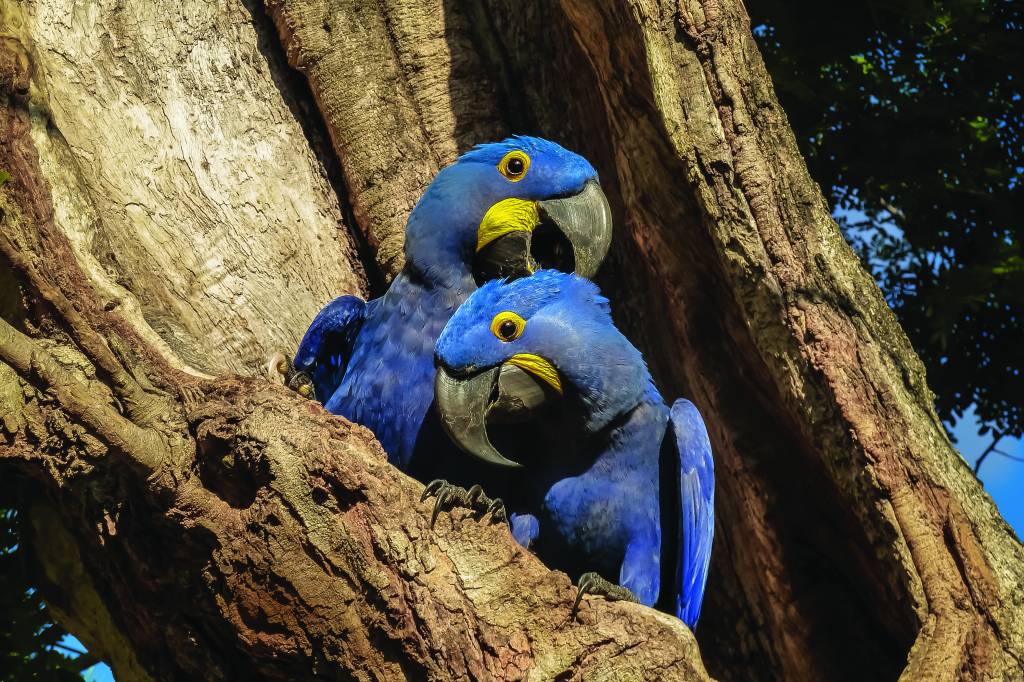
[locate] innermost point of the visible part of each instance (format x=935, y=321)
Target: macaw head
x=509, y=208
x=515, y=346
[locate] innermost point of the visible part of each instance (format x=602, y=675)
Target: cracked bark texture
x=182, y=203
x=165, y=140
x=175, y=211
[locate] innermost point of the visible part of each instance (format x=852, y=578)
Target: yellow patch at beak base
x=539, y=367
x=508, y=215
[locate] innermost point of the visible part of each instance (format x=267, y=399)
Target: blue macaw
x=605, y=478
x=502, y=209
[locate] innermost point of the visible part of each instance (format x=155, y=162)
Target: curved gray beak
x=504, y=394
x=581, y=224
x=586, y=221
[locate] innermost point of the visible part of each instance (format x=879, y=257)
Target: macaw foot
x=450, y=496
x=592, y=583
x=280, y=370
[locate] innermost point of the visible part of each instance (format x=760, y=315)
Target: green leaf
x=915, y=105
x=982, y=128
x=4, y=177
x=865, y=65
x=1011, y=265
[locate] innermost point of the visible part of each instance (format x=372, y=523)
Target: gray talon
x=593, y=583
x=301, y=383
x=447, y=494
x=281, y=370
x=432, y=488
x=497, y=510
x=475, y=498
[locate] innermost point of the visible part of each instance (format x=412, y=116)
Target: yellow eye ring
x=507, y=326
x=514, y=165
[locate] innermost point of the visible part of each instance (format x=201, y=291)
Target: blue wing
x=696, y=527
x=328, y=343
x=525, y=528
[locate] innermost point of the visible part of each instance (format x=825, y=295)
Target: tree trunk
x=182, y=203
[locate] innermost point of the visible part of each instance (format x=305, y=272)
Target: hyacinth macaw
x=600, y=475
x=502, y=209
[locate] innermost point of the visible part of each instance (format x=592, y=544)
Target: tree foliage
x=31, y=644
x=712, y=194
x=910, y=116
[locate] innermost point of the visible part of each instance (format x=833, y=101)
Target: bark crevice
x=298, y=96
x=263, y=537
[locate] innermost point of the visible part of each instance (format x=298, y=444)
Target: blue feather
x=323, y=351
x=384, y=374
x=616, y=482
x=696, y=525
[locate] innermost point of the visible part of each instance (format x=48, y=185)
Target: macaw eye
x=507, y=326
x=514, y=165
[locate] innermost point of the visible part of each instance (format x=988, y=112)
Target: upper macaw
x=502, y=209
x=605, y=477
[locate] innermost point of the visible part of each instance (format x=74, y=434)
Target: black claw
x=475, y=498
x=593, y=583
x=281, y=367
x=301, y=383
x=432, y=488
x=581, y=589
x=497, y=510
x=443, y=498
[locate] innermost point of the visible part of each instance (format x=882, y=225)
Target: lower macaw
x=502, y=209
x=601, y=476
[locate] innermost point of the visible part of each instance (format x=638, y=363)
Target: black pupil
x=515, y=166
x=507, y=329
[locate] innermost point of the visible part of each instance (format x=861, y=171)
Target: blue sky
x=98, y=673
x=1002, y=477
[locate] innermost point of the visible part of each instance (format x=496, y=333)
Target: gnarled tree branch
x=274, y=541
x=261, y=537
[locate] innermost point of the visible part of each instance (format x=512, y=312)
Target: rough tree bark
x=182, y=203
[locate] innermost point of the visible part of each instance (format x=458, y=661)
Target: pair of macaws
x=606, y=480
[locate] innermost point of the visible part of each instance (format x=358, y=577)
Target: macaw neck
x=617, y=443
x=439, y=271
x=569, y=470
x=440, y=234
x=613, y=382
x=630, y=432
x=450, y=276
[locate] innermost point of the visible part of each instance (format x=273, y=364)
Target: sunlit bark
x=191, y=184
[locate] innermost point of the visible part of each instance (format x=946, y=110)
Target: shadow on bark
x=851, y=541
x=839, y=610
